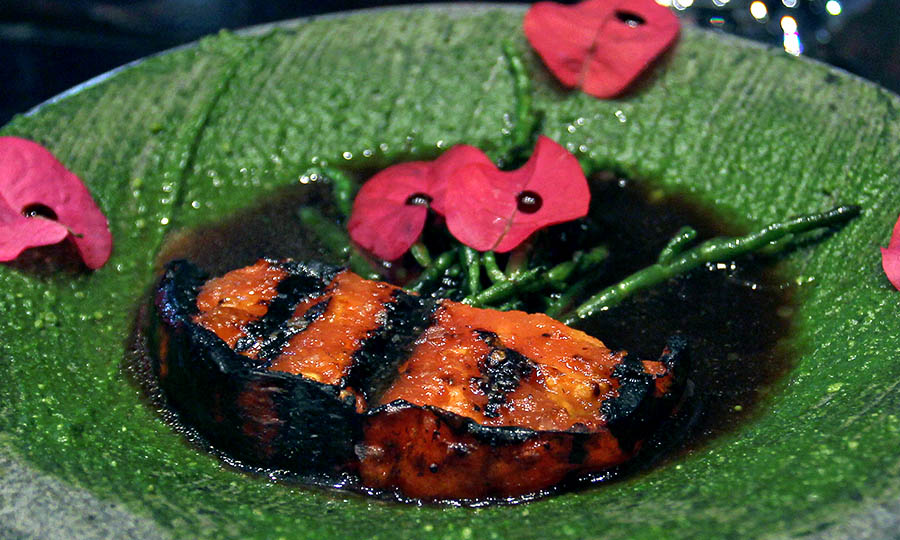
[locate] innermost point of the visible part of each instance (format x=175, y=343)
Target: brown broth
x=736, y=316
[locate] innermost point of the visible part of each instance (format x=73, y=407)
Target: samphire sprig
x=566, y=289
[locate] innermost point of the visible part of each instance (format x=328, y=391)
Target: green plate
x=191, y=136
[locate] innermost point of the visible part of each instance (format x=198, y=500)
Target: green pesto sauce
x=190, y=137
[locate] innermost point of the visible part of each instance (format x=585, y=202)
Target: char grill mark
x=317, y=323
x=376, y=362
x=502, y=371
x=508, y=369
x=258, y=302
x=272, y=347
x=228, y=304
x=270, y=333
x=327, y=348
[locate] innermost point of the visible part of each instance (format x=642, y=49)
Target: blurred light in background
x=791, y=38
x=792, y=44
x=788, y=25
x=759, y=10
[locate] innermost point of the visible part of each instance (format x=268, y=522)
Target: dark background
x=47, y=46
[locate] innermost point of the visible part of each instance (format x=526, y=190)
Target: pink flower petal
x=485, y=206
x=445, y=168
x=480, y=204
x=895, y=236
x=890, y=257
x=385, y=219
x=18, y=233
x=601, y=46
x=890, y=262
x=30, y=175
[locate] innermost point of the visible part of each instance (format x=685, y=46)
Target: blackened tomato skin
x=262, y=418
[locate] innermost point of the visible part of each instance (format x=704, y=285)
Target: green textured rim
x=193, y=135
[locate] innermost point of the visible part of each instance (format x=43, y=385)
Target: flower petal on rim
x=18, y=233
x=483, y=203
x=890, y=257
x=601, y=46
x=31, y=175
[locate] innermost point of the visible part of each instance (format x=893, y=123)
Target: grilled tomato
x=310, y=368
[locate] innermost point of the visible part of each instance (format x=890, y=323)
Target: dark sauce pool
x=736, y=315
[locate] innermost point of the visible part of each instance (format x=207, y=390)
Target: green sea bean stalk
x=567, y=290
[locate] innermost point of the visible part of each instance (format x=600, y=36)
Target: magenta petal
x=555, y=175
x=601, y=46
x=479, y=204
x=562, y=37
x=31, y=175
x=382, y=221
x=482, y=205
x=389, y=234
x=890, y=257
x=18, y=233
x=895, y=236
x=445, y=168
x=890, y=262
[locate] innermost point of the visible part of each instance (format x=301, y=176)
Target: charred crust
x=461, y=425
x=320, y=427
x=676, y=358
x=502, y=370
x=490, y=338
x=376, y=362
x=303, y=282
x=632, y=415
x=578, y=453
x=320, y=274
x=274, y=343
x=634, y=387
x=176, y=295
x=312, y=427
